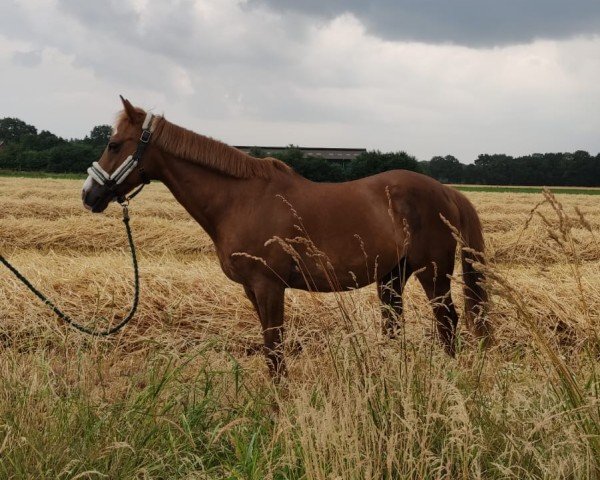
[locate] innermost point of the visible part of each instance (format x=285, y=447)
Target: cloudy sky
x=431, y=77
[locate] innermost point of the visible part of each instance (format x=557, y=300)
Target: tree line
x=23, y=148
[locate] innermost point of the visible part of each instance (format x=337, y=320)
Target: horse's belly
x=327, y=276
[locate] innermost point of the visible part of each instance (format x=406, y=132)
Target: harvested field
x=175, y=395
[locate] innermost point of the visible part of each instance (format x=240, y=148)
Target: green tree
x=424, y=167
x=13, y=129
x=315, y=169
x=71, y=157
x=42, y=141
x=100, y=135
x=446, y=169
x=320, y=170
x=495, y=169
x=257, y=152
x=374, y=161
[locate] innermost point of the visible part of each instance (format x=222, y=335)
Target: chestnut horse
x=273, y=229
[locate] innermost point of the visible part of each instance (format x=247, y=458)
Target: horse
x=274, y=229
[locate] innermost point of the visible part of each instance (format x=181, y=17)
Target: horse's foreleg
x=252, y=298
x=269, y=302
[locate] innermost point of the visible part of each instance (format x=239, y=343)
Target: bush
x=372, y=162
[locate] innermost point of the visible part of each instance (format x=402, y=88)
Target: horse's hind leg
x=437, y=288
x=389, y=289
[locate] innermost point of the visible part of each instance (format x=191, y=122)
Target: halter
x=111, y=181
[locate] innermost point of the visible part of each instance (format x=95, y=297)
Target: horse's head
x=118, y=171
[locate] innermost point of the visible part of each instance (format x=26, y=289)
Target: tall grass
x=174, y=395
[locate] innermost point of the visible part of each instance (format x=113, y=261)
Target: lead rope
x=66, y=318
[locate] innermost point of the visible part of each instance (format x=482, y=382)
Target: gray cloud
x=478, y=23
x=256, y=71
x=117, y=17
x=182, y=34
x=27, y=59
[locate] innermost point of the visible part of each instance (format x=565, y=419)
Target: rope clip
x=125, y=205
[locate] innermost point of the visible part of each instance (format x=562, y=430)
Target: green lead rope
x=68, y=319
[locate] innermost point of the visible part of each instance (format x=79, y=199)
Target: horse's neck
x=208, y=196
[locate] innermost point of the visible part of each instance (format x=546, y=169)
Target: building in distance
x=340, y=155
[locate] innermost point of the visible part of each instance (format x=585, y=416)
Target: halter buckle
x=145, y=137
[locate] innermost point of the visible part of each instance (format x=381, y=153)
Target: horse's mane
x=211, y=153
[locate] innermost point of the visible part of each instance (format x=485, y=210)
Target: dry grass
x=174, y=394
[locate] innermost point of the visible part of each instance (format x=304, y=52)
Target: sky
x=430, y=77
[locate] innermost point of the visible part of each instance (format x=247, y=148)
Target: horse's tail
x=475, y=294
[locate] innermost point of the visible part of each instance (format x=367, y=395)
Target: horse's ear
x=129, y=109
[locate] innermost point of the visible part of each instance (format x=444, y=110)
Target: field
x=517, y=189
x=175, y=394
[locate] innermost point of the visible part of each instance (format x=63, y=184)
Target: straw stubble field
x=175, y=395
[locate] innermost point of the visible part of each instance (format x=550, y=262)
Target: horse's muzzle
x=96, y=197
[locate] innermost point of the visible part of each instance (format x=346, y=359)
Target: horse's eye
x=114, y=146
